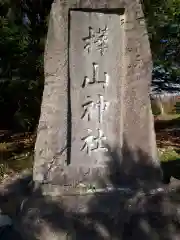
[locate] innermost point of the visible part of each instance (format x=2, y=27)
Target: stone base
x=109, y=215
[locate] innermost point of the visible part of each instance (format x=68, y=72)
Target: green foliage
x=23, y=25
x=163, y=20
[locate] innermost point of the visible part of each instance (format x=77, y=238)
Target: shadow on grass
x=170, y=169
x=137, y=214
x=164, y=124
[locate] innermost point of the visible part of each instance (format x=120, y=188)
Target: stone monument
x=96, y=127
x=96, y=94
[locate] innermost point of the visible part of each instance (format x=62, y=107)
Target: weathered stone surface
x=114, y=54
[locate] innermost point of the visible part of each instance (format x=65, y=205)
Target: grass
x=168, y=141
x=16, y=163
x=16, y=154
x=167, y=117
x=168, y=154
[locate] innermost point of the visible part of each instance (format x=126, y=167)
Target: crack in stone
x=52, y=163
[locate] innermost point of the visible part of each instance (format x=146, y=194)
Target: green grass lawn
x=168, y=154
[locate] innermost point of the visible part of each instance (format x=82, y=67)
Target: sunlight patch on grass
x=21, y=161
x=168, y=154
x=16, y=154
x=16, y=163
x=5, y=147
x=167, y=117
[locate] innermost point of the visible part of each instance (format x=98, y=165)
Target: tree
x=23, y=25
x=163, y=20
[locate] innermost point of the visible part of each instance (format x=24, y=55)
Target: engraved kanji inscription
x=102, y=106
x=89, y=40
x=91, y=106
x=94, y=143
x=95, y=78
x=101, y=40
x=97, y=39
